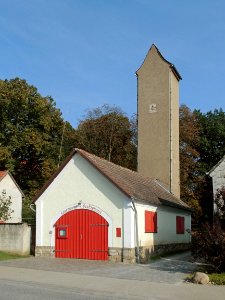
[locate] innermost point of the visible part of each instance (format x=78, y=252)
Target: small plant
x=5, y=210
x=209, y=244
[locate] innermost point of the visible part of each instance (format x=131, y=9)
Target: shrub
x=209, y=244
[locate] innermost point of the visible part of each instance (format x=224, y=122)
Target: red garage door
x=83, y=234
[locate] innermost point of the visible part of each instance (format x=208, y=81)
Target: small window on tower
x=152, y=108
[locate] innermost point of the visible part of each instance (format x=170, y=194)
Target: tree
x=211, y=144
x=107, y=132
x=189, y=175
x=211, y=148
x=220, y=202
x=5, y=210
x=209, y=244
x=30, y=134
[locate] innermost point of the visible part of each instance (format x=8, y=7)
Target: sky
x=84, y=53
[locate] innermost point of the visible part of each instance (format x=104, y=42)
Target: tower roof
x=173, y=68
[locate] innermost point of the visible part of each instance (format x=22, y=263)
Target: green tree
x=30, y=134
x=106, y=132
x=5, y=210
x=211, y=148
x=211, y=145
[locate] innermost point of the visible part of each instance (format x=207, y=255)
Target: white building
x=9, y=188
x=218, y=177
x=94, y=209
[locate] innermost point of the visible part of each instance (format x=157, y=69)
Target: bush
x=209, y=244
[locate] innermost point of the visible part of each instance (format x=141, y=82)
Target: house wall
x=12, y=190
x=218, y=177
x=158, y=121
x=80, y=186
x=166, y=237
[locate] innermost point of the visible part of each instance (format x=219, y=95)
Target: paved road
x=171, y=270
x=41, y=278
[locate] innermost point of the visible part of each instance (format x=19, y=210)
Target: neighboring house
x=218, y=177
x=10, y=188
x=94, y=209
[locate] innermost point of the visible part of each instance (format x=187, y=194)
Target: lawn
x=7, y=255
x=217, y=278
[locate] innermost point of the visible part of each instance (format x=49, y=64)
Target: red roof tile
x=2, y=174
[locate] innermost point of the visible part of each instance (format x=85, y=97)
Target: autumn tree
x=106, y=132
x=189, y=175
x=30, y=134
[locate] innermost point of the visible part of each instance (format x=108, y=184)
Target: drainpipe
x=136, y=228
x=32, y=207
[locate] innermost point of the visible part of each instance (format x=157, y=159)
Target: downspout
x=32, y=207
x=136, y=229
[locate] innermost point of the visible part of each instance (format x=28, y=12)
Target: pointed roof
x=3, y=175
x=214, y=167
x=173, y=68
x=132, y=184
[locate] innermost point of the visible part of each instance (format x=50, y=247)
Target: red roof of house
x=131, y=183
x=2, y=174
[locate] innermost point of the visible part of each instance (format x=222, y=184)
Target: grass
x=7, y=255
x=216, y=278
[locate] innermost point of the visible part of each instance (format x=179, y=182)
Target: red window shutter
x=150, y=221
x=118, y=232
x=180, y=225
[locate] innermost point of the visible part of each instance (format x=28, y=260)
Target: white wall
x=218, y=177
x=78, y=182
x=12, y=190
x=166, y=223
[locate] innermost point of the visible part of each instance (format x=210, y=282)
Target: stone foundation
x=147, y=252
x=44, y=251
x=126, y=255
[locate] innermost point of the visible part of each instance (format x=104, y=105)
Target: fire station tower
x=158, y=120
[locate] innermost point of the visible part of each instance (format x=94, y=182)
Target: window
x=180, y=225
x=62, y=233
x=150, y=221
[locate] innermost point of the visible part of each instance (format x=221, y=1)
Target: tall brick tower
x=158, y=120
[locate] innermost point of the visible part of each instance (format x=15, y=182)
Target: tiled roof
x=129, y=182
x=2, y=174
x=133, y=184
